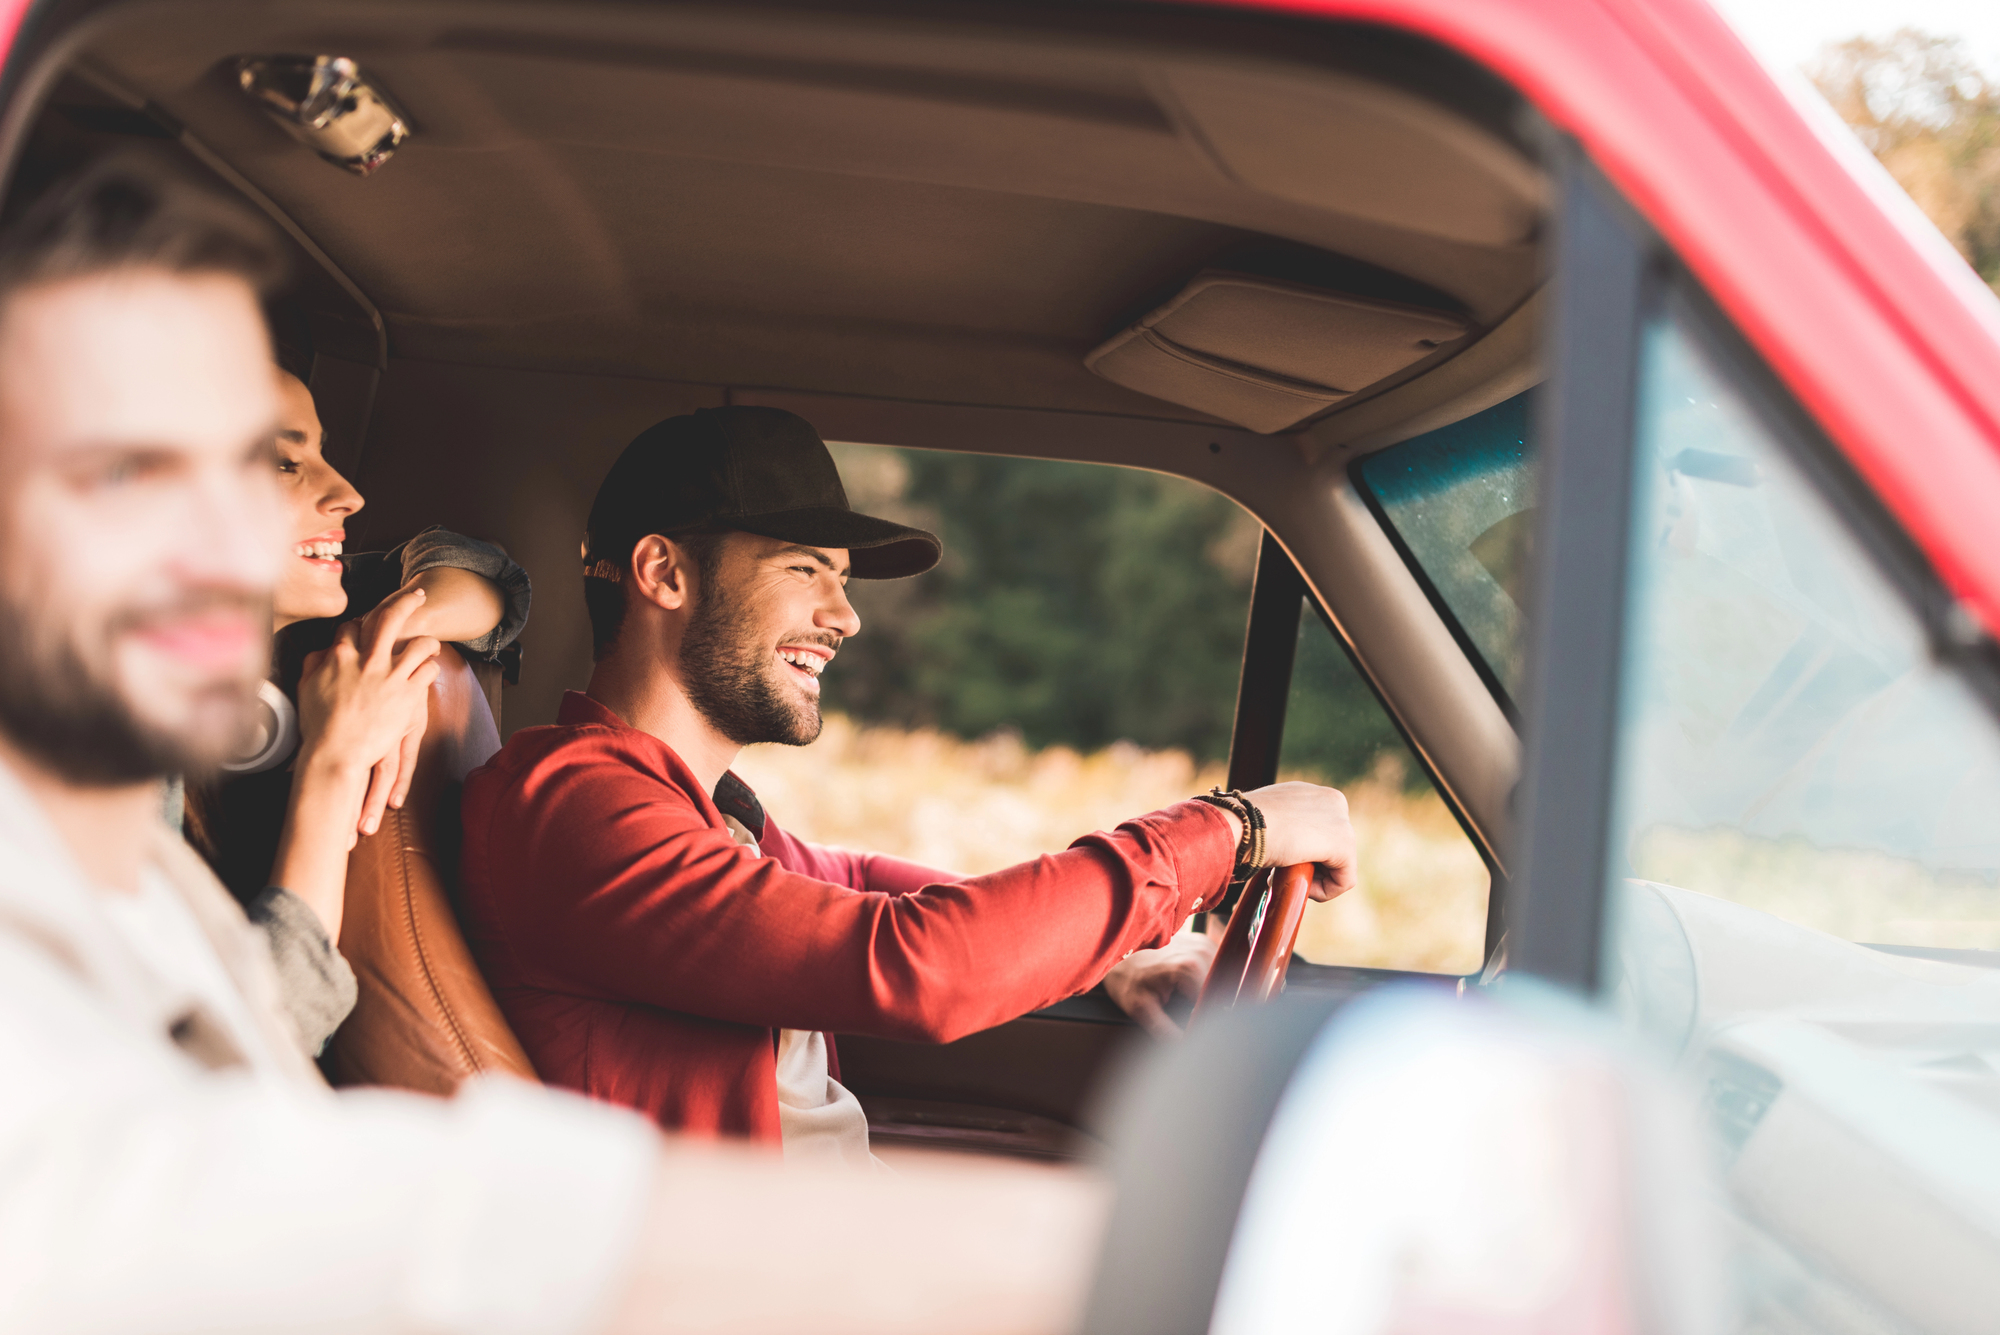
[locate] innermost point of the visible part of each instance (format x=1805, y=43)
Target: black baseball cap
x=755, y=470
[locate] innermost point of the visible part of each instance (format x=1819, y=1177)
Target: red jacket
x=646, y=958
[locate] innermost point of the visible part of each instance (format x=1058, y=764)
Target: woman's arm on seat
x=478, y=595
x=362, y=708
x=460, y=607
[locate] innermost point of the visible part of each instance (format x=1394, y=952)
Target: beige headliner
x=928, y=211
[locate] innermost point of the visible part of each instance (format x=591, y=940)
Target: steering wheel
x=1250, y=963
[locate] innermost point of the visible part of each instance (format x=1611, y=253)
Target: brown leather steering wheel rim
x=1249, y=966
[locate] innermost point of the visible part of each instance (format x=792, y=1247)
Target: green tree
x=1932, y=117
x=1078, y=605
x=1335, y=729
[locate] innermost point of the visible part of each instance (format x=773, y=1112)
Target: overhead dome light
x=324, y=103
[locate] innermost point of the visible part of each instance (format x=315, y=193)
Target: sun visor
x=1265, y=354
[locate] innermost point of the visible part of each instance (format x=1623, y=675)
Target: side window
x=1071, y=663
x=1074, y=662
x=1421, y=905
x=1787, y=741
x=1803, y=859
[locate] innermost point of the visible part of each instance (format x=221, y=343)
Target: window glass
x=1071, y=663
x=1787, y=741
x=1421, y=904
x=1460, y=501
x=1077, y=604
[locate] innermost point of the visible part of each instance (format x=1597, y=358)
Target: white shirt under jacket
x=171, y=1161
x=819, y=1118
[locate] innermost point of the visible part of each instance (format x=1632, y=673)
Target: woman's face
x=317, y=504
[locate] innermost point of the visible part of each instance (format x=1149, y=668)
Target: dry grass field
x=1856, y=894
x=978, y=806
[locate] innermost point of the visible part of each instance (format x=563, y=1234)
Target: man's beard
x=730, y=677
x=67, y=714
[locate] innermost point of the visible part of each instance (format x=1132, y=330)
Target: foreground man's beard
x=731, y=678
x=66, y=712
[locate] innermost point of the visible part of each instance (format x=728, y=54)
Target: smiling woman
x=317, y=502
x=279, y=823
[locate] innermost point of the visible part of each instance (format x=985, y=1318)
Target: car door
x=1757, y=683
x=1761, y=782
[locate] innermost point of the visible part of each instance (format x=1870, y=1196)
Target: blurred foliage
x=978, y=806
x=1335, y=729
x=1932, y=117
x=1078, y=605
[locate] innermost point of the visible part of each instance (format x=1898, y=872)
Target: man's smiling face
x=768, y=618
x=139, y=525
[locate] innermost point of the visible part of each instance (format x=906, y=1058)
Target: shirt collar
x=732, y=796
x=578, y=709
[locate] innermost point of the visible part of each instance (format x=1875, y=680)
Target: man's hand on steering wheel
x=1306, y=822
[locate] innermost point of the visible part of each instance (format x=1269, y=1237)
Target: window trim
x=1607, y=266
x=1264, y=682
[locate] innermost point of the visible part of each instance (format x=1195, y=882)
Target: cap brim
x=876, y=548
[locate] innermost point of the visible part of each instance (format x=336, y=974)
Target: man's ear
x=662, y=572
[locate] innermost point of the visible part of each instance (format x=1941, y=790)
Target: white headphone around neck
x=275, y=737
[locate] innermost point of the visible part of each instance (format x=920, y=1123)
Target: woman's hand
x=363, y=704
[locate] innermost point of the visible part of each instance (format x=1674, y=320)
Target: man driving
x=652, y=934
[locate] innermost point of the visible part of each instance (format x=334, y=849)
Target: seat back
x=425, y=1019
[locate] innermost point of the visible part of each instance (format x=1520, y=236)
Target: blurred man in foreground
x=175, y=1161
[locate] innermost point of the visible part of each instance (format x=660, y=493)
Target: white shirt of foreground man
x=184, y=1173
x=179, y=1165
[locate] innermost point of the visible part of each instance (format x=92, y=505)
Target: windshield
x=1459, y=503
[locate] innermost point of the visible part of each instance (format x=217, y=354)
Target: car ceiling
x=888, y=205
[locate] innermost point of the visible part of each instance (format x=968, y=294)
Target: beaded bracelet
x=1250, y=848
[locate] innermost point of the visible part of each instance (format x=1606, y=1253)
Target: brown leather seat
x=425, y=1019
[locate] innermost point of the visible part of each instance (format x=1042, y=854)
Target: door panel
x=1023, y=1088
